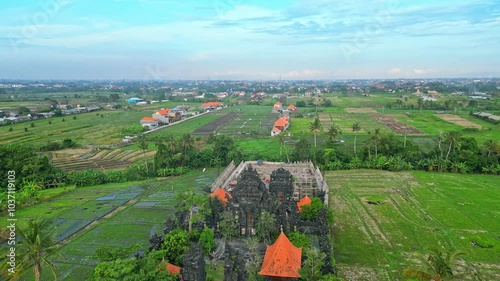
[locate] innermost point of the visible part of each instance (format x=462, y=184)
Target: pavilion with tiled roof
x=221, y=194
x=282, y=260
x=304, y=201
x=172, y=269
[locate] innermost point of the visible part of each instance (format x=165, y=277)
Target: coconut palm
x=492, y=146
x=315, y=127
x=355, y=128
x=376, y=141
x=333, y=132
x=35, y=247
x=438, y=266
x=143, y=144
x=281, y=142
x=453, y=141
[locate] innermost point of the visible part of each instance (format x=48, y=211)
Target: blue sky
x=254, y=39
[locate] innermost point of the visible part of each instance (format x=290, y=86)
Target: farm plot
x=360, y=110
x=382, y=218
x=104, y=159
x=251, y=120
x=455, y=119
x=214, y=126
x=345, y=121
x=397, y=126
x=144, y=213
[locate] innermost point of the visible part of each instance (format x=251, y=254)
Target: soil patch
x=455, y=119
x=397, y=126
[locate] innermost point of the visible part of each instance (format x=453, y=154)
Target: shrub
x=115, y=176
x=32, y=125
x=86, y=178
x=11, y=129
x=25, y=129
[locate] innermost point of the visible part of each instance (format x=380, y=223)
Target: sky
x=250, y=40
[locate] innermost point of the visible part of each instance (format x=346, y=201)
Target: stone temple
x=253, y=187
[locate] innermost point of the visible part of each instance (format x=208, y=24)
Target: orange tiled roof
x=219, y=192
x=163, y=111
x=278, y=103
x=304, y=201
x=172, y=269
x=292, y=106
x=282, y=122
x=282, y=259
x=149, y=119
x=212, y=103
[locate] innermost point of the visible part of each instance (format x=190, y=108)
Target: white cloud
x=423, y=71
x=395, y=70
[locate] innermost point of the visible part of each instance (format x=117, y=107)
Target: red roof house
x=172, y=269
x=282, y=260
x=280, y=125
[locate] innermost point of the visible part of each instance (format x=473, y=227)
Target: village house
x=292, y=108
x=134, y=100
x=278, y=107
x=162, y=115
x=208, y=106
x=280, y=125
x=150, y=122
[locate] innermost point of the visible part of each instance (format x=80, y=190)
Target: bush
x=86, y=178
x=32, y=125
x=11, y=129
x=115, y=176
x=25, y=129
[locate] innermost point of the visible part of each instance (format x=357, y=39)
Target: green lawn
x=419, y=211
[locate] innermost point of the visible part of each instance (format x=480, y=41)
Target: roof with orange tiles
x=291, y=106
x=282, y=122
x=172, y=269
x=149, y=119
x=221, y=194
x=282, y=259
x=212, y=103
x=304, y=201
x=164, y=111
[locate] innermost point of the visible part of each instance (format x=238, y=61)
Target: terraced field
x=104, y=159
x=112, y=214
x=382, y=218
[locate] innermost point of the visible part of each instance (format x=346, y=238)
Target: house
x=150, y=122
x=280, y=125
x=211, y=105
x=282, y=260
x=134, y=100
x=292, y=108
x=162, y=115
x=277, y=107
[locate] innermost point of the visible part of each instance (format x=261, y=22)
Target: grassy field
x=87, y=128
x=130, y=222
x=252, y=120
x=413, y=212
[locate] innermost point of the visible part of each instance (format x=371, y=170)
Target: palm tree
x=491, y=146
x=437, y=266
x=315, y=127
x=35, y=247
x=187, y=143
x=143, y=144
x=333, y=132
x=355, y=128
x=453, y=141
x=376, y=141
